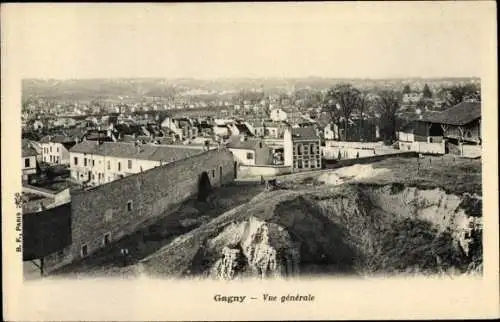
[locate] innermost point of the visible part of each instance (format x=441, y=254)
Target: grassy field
x=454, y=175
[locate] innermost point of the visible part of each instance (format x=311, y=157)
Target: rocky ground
x=392, y=217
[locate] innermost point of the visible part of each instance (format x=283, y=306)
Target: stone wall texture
x=121, y=207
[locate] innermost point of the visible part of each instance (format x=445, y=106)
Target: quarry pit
x=362, y=220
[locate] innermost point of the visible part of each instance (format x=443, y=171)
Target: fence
x=248, y=171
x=334, y=164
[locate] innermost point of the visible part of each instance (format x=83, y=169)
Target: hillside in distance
x=81, y=89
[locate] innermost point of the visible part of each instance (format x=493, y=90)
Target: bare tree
x=361, y=106
x=330, y=107
x=388, y=104
x=346, y=98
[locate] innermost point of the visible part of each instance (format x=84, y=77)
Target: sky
x=367, y=40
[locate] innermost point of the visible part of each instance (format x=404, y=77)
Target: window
x=107, y=239
x=75, y=160
x=57, y=150
x=27, y=162
x=93, y=162
x=84, y=250
x=299, y=164
x=84, y=162
x=250, y=156
x=129, y=205
x=51, y=158
x=93, y=176
x=50, y=149
x=109, y=165
x=311, y=147
x=260, y=145
x=306, y=164
x=130, y=164
x=300, y=149
x=213, y=173
x=119, y=166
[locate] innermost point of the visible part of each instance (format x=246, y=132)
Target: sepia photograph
x=227, y=143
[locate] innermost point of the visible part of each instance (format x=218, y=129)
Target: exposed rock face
x=443, y=210
x=253, y=247
x=345, y=229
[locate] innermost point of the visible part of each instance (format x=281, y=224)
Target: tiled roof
x=459, y=114
x=243, y=128
x=304, y=133
x=131, y=151
x=57, y=139
x=27, y=149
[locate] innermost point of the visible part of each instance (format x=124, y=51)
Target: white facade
x=278, y=115
x=221, y=130
x=54, y=153
x=28, y=165
x=329, y=132
x=244, y=156
x=288, y=148
x=99, y=169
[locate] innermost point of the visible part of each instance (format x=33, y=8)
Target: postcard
x=249, y=161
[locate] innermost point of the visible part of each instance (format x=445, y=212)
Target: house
x=184, y=128
x=290, y=114
x=250, y=151
x=37, y=125
x=221, y=130
x=95, y=163
x=28, y=160
x=455, y=130
x=412, y=98
x=274, y=129
x=65, y=122
x=256, y=127
x=239, y=128
x=55, y=148
x=302, y=148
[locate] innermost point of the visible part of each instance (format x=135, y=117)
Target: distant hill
x=84, y=89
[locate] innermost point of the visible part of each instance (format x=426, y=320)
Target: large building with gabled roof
x=97, y=162
x=455, y=130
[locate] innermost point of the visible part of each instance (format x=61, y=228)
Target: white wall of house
x=278, y=115
x=288, y=148
x=28, y=166
x=105, y=169
x=329, y=133
x=244, y=156
x=406, y=137
x=54, y=153
x=221, y=130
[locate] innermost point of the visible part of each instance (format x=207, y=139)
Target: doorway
x=204, y=186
